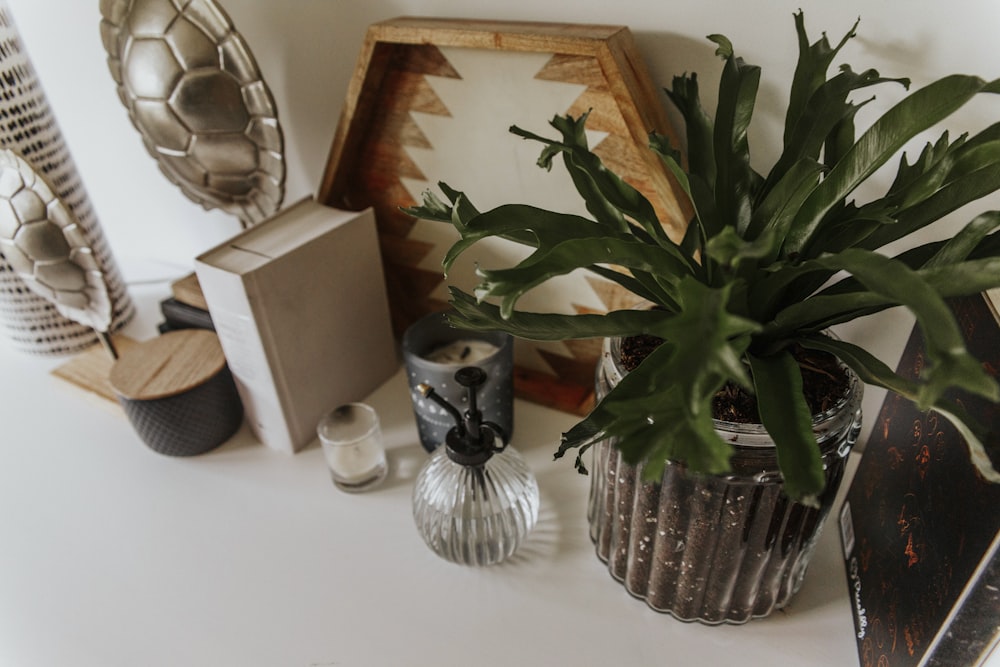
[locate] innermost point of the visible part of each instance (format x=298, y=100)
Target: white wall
x=307, y=49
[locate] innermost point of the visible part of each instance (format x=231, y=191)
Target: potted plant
x=701, y=515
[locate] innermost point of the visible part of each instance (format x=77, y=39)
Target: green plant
x=767, y=261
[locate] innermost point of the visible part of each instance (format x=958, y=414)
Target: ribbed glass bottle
x=475, y=515
x=716, y=549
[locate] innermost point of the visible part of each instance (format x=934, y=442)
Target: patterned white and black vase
x=28, y=127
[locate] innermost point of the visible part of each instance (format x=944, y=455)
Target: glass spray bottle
x=475, y=500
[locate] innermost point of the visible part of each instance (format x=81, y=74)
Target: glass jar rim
x=745, y=433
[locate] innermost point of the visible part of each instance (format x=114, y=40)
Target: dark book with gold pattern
x=921, y=526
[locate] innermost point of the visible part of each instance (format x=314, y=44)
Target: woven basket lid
x=167, y=365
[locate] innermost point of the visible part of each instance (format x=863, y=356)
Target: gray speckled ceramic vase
x=714, y=549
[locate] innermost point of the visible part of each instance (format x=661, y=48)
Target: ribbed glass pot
x=475, y=514
x=716, y=549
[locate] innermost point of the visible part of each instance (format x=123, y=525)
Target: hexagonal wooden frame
x=368, y=156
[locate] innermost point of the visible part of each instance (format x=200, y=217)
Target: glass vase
x=713, y=548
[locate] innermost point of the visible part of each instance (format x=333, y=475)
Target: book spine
x=278, y=427
x=236, y=326
x=179, y=315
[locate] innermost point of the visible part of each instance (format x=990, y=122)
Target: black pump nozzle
x=428, y=392
x=472, y=378
x=471, y=441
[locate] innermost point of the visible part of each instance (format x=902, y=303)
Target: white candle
x=465, y=352
x=352, y=446
x=355, y=462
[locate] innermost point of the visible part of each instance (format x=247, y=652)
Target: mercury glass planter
x=194, y=92
x=715, y=549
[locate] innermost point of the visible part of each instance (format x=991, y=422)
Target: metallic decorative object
x=193, y=91
x=31, y=322
x=46, y=247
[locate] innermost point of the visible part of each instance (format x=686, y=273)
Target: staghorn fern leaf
x=766, y=263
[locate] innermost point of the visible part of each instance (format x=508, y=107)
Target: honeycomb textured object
x=194, y=92
x=190, y=423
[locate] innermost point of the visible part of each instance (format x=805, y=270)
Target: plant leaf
x=648, y=421
x=663, y=408
x=788, y=420
x=597, y=204
x=950, y=197
x=730, y=250
x=810, y=71
x=736, y=182
x=884, y=138
x=949, y=363
x=841, y=138
x=873, y=371
x=960, y=246
x=636, y=286
x=481, y=316
x=711, y=339
x=563, y=243
x=699, y=127
x=432, y=209
x=778, y=209
x=528, y=225
x=826, y=108
x=459, y=214
x=921, y=256
x=779, y=288
x=833, y=306
x=609, y=198
x=562, y=258
x=975, y=236
x=699, y=194
x=944, y=177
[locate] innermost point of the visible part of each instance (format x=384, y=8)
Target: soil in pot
x=824, y=381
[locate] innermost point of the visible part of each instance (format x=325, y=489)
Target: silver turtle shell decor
x=47, y=248
x=194, y=92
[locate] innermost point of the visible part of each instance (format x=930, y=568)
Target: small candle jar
x=433, y=351
x=352, y=444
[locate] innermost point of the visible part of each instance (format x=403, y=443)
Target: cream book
x=299, y=305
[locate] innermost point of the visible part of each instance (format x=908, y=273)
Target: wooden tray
x=408, y=107
x=91, y=369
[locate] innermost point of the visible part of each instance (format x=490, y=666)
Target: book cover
x=921, y=527
x=187, y=290
x=299, y=304
x=180, y=315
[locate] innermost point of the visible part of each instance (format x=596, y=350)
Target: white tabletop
x=112, y=555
